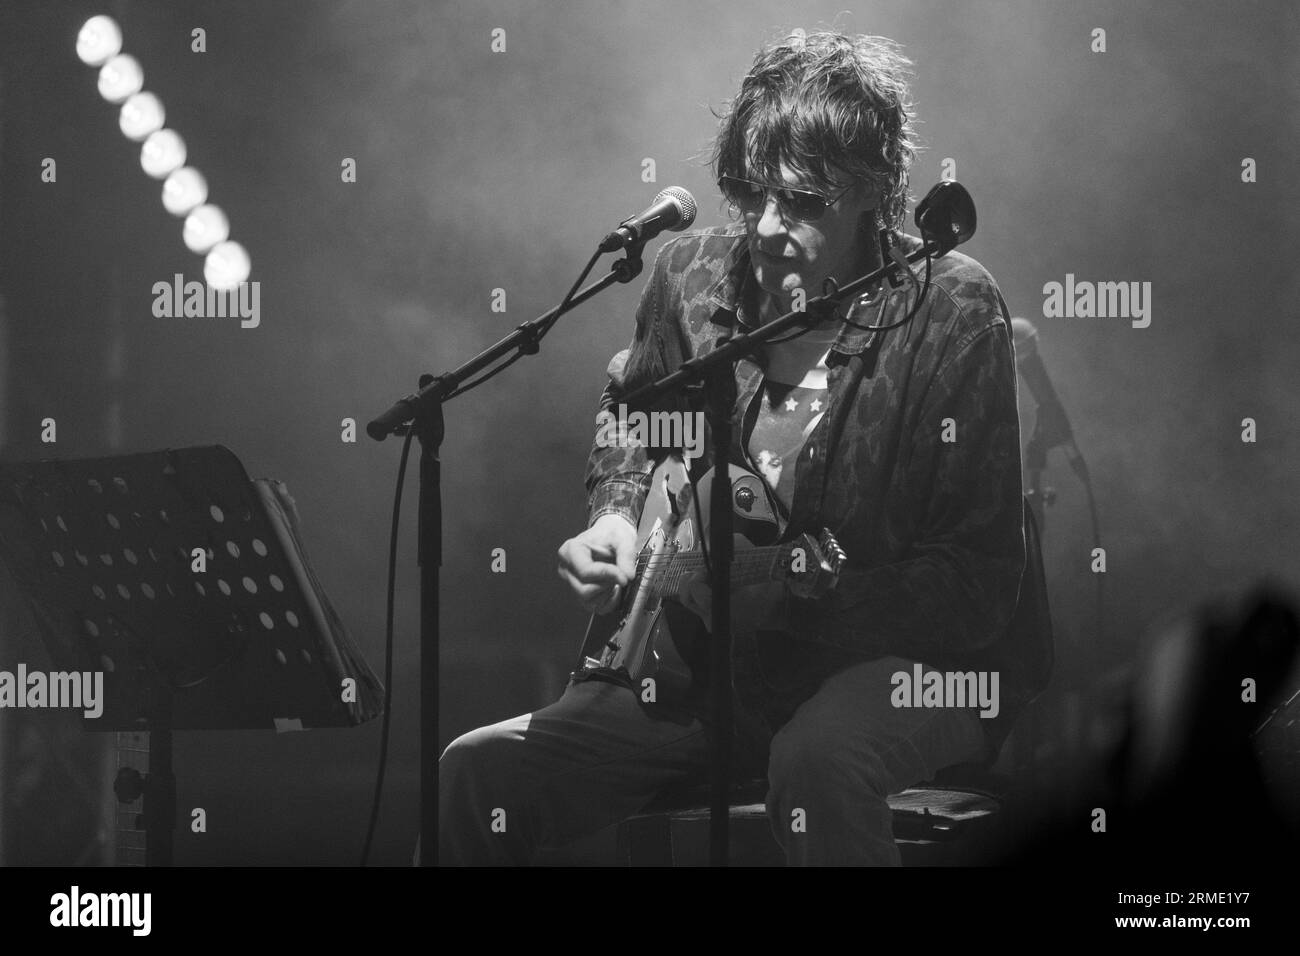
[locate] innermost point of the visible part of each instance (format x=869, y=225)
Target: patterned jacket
x=933, y=529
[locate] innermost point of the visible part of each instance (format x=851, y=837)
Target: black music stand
x=102, y=551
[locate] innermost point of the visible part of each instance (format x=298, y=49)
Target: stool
x=949, y=821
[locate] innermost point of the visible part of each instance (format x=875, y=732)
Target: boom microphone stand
x=421, y=412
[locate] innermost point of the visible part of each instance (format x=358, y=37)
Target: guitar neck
x=748, y=566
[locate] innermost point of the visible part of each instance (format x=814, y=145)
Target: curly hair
x=825, y=104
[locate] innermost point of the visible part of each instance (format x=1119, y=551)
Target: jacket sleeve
x=957, y=588
x=618, y=474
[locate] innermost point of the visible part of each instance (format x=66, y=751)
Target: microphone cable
x=388, y=648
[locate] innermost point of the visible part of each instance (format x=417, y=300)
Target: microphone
x=673, y=209
x=946, y=216
x=1052, y=423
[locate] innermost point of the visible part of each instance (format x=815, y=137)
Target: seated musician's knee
x=482, y=757
x=812, y=763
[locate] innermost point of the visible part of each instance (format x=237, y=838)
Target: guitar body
x=632, y=644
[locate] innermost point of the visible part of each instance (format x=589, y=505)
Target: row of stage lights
x=185, y=191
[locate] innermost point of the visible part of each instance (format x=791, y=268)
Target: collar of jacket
x=731, y=295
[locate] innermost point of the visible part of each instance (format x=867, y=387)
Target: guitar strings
x=671, y=568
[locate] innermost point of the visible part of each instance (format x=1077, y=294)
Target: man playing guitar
x=905, y=444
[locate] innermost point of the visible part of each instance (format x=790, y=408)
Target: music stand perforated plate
x=102, y=550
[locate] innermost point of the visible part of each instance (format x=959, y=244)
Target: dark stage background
x=479, y=170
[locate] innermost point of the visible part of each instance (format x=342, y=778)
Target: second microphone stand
x=715, y=371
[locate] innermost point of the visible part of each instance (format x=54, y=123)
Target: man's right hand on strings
x=600, y=563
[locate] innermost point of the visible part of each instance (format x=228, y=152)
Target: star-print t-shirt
x=793, y=401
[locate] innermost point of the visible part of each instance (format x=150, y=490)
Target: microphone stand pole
x=423, y=411
x=1051, y=430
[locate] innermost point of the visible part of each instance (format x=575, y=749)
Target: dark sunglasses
x=801, y=204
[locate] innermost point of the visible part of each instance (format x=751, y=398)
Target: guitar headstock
x=815, y=564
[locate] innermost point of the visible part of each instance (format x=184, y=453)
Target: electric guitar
x=631, y=643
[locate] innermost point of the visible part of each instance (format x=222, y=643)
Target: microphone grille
x=684, y=201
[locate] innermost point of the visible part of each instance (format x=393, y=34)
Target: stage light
x=205, y=227
x=162, y=152
x=142, y=114
x=227, y=265
x=184, y=189
x=120, y=77
x=100, y=38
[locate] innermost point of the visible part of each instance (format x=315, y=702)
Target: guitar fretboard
x=669, y=571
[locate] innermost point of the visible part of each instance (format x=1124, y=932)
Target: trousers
x=597, y=756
